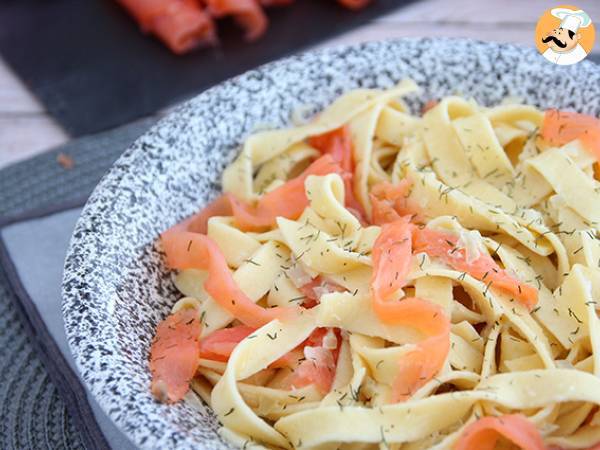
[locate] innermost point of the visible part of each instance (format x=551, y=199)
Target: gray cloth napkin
x=39, y=265
x=44, y=405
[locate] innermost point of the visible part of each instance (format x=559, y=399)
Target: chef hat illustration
x=572, y=20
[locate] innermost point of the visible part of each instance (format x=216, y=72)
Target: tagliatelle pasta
x=379, y=279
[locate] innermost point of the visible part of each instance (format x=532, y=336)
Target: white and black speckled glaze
x=116, y=288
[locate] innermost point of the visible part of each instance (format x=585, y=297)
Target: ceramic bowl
x=116, y=288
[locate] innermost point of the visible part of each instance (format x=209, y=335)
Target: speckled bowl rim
x=88, y=295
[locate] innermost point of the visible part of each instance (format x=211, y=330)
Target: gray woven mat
x=32, y=413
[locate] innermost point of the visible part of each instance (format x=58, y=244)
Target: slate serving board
x=87, y=61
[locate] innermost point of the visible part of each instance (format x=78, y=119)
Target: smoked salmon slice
x=313, y=290
x=219, y=344
x=444, y=245
x=485, y=433
x=562, y=127
x=268, y=3
x=247, y=13
x=430, y=104
x=221, y=206
x=338, y=144
x=319, y=363
x=317, y=368
x=392, y=255
x=180, y=24
x=390, y=202
x=188, y=250
x=354, y=4
x=288, y=200
x=174, y=355
x=293, y=357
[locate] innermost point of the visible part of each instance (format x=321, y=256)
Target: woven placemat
x=33, y=413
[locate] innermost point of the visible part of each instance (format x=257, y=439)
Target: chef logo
x=564, y=35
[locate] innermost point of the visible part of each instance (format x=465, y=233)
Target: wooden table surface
x=26, y=129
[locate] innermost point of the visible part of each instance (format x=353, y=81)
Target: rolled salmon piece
x=354, y=4
x=247, y=13
x=181, y=24
x=269, y=3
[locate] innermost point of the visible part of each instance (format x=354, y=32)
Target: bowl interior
x=115, y=286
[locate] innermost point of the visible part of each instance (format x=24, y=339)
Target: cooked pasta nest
x=498, y=187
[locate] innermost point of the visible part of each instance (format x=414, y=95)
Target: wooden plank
x=512, y=33
x=14, y=96
x=22, y=136
x=482, y=11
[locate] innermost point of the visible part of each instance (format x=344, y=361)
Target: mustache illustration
x=556, y=41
